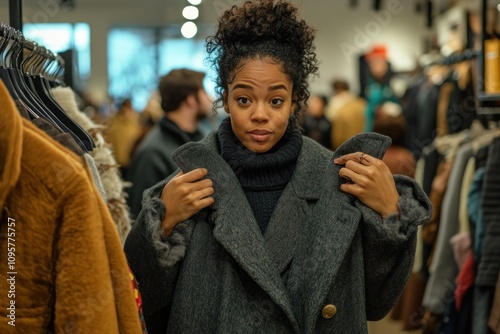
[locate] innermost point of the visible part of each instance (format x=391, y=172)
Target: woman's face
x=259, y=101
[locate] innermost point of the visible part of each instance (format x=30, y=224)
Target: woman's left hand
x=370, y=180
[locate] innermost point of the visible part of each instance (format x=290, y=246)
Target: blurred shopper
x=316, y=126
x=147, y=120
x=378, y=89
x=122, y=132
x=340, y=96
x=389, y=121
x=346, y=113
x=184, y=102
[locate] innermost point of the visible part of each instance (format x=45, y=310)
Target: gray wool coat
x=325, y=264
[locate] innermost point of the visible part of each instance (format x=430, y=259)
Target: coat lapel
x=235, y=227
x=241, y=237
x=284, y=228
x=289, y=217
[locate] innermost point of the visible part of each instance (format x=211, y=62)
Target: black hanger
x=32, y=89
x=37, y=83
x=3, y=71
x=6, y=51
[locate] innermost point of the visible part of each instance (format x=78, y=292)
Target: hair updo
x=263, y=29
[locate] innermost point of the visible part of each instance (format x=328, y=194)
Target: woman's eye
x=243, y=100
x=276, y=102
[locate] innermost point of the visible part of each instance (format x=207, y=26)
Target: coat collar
x=265, y=257
x=11, y=141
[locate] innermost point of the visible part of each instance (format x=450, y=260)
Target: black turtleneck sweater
x=263, y=176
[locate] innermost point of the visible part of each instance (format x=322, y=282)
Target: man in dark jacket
x=185, y=102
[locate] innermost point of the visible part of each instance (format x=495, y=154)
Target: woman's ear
x=224, y=99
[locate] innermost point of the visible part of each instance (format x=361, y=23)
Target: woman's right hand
x=184, y=195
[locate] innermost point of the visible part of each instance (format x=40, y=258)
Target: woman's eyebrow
x=242, y=86
x=270, y=88
x=276, y=87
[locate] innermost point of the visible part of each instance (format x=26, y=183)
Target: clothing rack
x=468, y=54
x=43, y=61
x=30, y=72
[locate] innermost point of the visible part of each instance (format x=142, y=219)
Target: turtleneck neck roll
x=263, y=176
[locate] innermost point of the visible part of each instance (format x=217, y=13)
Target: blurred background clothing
x=378, y=83
x=315, y=124
x=389, y=121
x=122, y=132
x=349, y=120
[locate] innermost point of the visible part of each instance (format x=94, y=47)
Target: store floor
x=387, y=326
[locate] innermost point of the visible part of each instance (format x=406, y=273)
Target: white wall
x=343, y=32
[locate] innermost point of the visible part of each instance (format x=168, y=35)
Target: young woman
x=263, y=230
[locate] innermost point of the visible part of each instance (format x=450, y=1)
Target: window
x=138, y=56
x=132, y=64
x=61, y=37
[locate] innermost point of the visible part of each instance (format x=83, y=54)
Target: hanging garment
x=489, y=262
x=465, y=280
x=489, y=265
x=463, y=216
x=457, y=321
x=461, y=109
x=481, y=308
x=106, y=164
x=138, y=301
x=67, y=267
x=425, y=127
x=411, y=109
x=444, y=269
x=67, y=141
x=61, y=137
x=474, y=207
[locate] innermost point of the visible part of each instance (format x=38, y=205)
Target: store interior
x=442, y=61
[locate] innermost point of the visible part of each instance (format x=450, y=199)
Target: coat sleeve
x=154, y=259
x=389, y=247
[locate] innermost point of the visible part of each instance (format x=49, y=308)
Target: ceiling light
x=190, y=12
x=189, y=29
x=194, y=2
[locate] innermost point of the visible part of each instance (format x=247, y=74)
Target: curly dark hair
x=263, y=29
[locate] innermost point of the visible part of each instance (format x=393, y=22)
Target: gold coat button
x=329, y=311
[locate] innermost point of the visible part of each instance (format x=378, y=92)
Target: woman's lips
x=260, y=135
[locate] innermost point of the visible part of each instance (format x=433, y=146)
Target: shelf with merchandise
x=489, y=65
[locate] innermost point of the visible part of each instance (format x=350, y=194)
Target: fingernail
x=336, y=161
